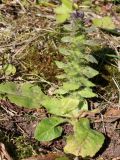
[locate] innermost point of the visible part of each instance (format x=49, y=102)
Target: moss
x=23, y=148
x=41, y=61
x=17, y=146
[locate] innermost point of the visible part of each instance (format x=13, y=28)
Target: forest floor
x=29, y=40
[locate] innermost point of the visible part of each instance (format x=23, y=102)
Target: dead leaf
x=115, y=112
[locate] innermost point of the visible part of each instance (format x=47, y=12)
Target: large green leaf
x=48, y=129
x=67, y=107
x=85, y=141
x=25, y=94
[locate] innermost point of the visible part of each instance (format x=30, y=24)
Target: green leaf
x=60, y=91
x=91, y=43
x=83, y=105
x=25, y=94
x=48, y=129
x=68, y=27
x=62, y=17
x=85, y=82
x=113, y=56
x=84, y=142
x=60, y=65
x=89, y=72
x=63, y=11
x=91, y=59
x=67, y=39
x=87, y=93
x=105, y=22
x=66, y=87
x=79, y=39
x=87, y=3
x=61, y=76
x=64, y=51
x=68, y=3
x=67, y=107
x=9, y=69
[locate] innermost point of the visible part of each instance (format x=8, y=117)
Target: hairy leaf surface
x=48, y=129
x=67, y=107
x=25, y=94
x=85, y=141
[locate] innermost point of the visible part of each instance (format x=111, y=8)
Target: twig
x=106, y=99
x=9, y=112
x=118, y=87
x=22, y=7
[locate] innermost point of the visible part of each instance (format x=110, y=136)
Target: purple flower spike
x=78, y=14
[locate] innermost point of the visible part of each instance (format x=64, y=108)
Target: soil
x=34, y=58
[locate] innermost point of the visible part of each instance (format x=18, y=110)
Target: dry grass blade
x=3, y=153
